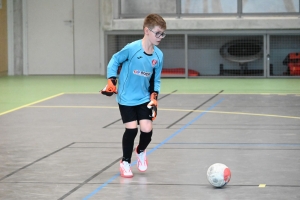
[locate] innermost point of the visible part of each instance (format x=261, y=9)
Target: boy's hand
x=153, y=105
x=110, y=88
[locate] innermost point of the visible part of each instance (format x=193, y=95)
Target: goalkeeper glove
x=110, y=88
x=153, y=105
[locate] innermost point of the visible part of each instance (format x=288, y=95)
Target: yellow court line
x=82, y=93
x=262, y=185
x=18, y=108
x=74, y=107
x=179, y=110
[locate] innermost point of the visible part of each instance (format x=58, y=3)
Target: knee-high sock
x=128, y=143
x=145, y=139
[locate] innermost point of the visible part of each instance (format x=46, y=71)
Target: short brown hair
x=153, y=20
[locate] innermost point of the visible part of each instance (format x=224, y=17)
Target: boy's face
x=156, y=34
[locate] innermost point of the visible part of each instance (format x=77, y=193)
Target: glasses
x=158, y=34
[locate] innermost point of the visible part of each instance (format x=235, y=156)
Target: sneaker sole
x=142, y=170
x=126, y=176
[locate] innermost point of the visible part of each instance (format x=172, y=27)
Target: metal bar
x=178, y=8
x=266, y=56
x=119, y=9
x=186, y=60
x=239, y=8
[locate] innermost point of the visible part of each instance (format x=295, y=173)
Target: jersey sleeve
x=157, y=75
x=116, y=60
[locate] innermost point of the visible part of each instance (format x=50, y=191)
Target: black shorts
x=135, y=113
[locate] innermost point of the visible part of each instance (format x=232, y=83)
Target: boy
x=139, y=85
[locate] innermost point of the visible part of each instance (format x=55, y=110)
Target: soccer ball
x=218, y=175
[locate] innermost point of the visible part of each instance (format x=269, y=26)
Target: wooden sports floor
x=61, y=139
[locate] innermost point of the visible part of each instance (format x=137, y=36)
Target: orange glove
x=110, y=88
x=153, y=105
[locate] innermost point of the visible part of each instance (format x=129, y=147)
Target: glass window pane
x=270, y=6
x=208, y=6
x=146, y=6
x=238, y=55
x=281, y=46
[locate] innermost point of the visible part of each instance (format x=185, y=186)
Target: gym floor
x=61, y=139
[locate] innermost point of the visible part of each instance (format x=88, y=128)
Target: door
x=63, y=37
x=86, y=37
x=50, y=37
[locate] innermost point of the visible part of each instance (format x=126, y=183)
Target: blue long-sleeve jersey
x=140, y=74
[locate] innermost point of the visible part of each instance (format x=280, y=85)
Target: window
x=270, y=6
x=183, y=8
x=208, y=6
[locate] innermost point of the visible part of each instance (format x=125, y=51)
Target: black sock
x=145, y=139
x=128, y=143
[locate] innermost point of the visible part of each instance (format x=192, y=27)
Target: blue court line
x=156, y=147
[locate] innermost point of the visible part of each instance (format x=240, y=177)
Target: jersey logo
x=141, y=73
x=154, y=62
x=139, y=57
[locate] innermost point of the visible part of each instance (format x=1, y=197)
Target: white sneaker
x=125, y=169
x=142, y=162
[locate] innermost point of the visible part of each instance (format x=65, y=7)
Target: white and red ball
x=218, y=175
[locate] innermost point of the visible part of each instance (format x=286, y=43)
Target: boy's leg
x=129, y=119
x=141, y=153
x=145, y=121
x=128, y=143
x=145, y=139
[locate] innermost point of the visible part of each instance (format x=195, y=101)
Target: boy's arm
x=112, y=71
x=111, y=87
x=157, y=77
x=116, y=60
x=155, y=89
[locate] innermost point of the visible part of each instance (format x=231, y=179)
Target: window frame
x=179, y=14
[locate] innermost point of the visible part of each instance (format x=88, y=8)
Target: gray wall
x=109, y=23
